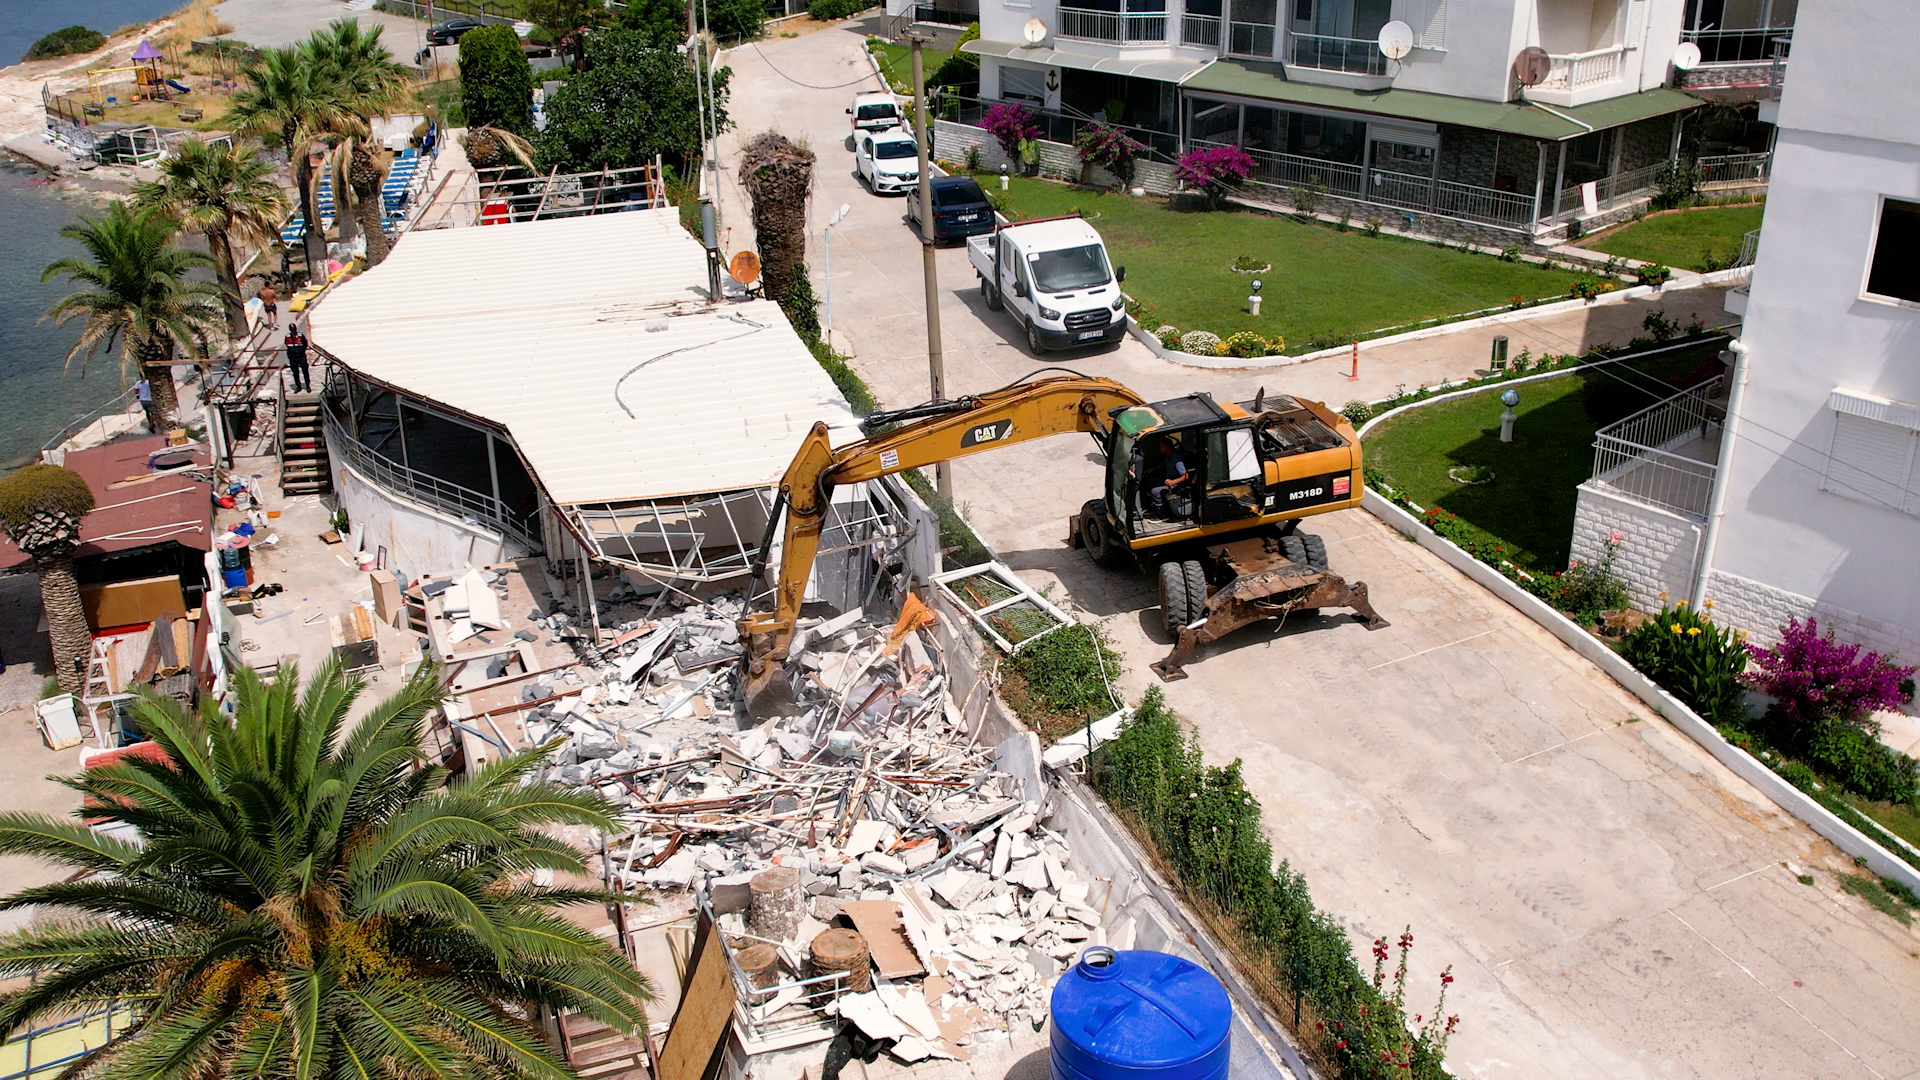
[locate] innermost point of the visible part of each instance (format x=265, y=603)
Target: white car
x=889, y=161
x=873, y=110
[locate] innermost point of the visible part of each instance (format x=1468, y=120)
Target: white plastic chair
x=59, y=722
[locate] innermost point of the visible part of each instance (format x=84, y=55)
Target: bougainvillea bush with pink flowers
x=1010, y=125
x=1214, y=167
x=1812, y=678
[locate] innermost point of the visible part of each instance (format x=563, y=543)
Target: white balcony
x=1579, y=78
x=1339, y=61
x=1114, y=27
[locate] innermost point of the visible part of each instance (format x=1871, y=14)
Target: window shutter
x=1636, y=23
x=1432, y=26
x=1871, y=462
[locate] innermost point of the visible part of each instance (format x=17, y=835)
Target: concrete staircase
x=597, y=1052
x=304, y=469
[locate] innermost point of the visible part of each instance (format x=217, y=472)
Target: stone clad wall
x=1761, y=610
x=951, y=139
x=1658, y=551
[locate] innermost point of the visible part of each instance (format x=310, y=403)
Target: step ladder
x=97, y=696
x=304, y=469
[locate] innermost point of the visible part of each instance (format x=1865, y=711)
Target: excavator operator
x=1172, y=480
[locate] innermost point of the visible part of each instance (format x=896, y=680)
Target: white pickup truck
x=1053, y=275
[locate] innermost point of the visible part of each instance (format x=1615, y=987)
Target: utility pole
x=936, y=365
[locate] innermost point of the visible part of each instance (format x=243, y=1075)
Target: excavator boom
x=1027, y=410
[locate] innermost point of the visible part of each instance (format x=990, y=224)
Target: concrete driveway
x=1613, y=902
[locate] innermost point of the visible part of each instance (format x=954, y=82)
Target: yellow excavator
x=1203, y=495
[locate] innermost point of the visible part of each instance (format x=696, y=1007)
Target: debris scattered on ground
x=863, y=856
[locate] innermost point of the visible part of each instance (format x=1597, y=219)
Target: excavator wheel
x=1098, y=538
x=1316, y=551
x=1294, y=547
x=1173, y=598
x=1196, y=576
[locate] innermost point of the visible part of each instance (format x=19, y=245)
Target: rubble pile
x=865, y=826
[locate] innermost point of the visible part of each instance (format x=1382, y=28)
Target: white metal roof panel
x=589, y=340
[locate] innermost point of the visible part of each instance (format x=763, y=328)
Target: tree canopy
x=496, y=84
x=39, y=489
x=309, y=901
x=638, y=97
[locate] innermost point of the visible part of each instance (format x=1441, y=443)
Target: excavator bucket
x=764, y=673
x=1266, y=585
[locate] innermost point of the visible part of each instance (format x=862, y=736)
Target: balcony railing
x=431, y=490
x=1353, y=56
x=1732, y=170
x=1610, y=191
x=1201, y=30
x=1662, y=454
x=1750, y=46
x=1113, y=27
x=1250, y=39
x=1578, y=71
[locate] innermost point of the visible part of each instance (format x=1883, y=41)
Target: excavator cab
x=1190, y=467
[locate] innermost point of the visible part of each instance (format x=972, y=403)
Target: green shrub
x=1169, y=337
x=1205, y=824
x=835, y=10
x=1861, y=763
x=1060, y=682
x=496, y=84
x=1677, y=184
x=1357, y=412
x=1693, y=659
x=65, y=42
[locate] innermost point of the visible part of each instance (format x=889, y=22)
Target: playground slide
x=178, y=87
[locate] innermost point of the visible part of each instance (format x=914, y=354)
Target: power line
x=811, y=86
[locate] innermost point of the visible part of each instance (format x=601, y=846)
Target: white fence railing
x=1200, y=30
x=1611, y=191
x=1250, y=39
x=1732, y=170
x=1402, y=191
x=1576, y=71
x=1639, y=456
x=1114, y=27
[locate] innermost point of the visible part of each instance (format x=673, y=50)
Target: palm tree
x=228, y=194
x=134, y=290
x=369, y=84
x=308, y=902
x=288, y=101
x=41, y=507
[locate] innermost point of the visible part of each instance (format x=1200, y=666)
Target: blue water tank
x=1139, y=1015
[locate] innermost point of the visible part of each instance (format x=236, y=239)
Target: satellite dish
x=1396, y=39
x=1686, y=57
x=1036, y=31
x=1530, y=68
x=745, y=267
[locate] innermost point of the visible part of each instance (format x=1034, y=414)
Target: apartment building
x=1820, y=493
x=1447, y=130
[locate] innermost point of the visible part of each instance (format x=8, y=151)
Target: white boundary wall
x=1659, y=550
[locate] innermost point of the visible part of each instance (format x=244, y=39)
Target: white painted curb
x=1672, y=709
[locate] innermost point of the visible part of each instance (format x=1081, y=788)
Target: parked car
x=451, y=31
x=874, y=110
x=960, y=208
x=888, y=161
x=1053, y=277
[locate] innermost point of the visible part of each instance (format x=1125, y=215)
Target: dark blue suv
x=960, y=208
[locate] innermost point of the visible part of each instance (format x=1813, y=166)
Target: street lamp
x=838, y=216
x=1510, y=399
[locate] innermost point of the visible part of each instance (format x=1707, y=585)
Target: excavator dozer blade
x=1273, y=593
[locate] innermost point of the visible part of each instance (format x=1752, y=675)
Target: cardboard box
x=387, y=603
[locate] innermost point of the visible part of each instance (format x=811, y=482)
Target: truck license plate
x=1089, y=335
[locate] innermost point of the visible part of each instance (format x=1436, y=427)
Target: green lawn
x=1324, y=285
x=896, y=62
x=1529, y=504
x=1683, y=239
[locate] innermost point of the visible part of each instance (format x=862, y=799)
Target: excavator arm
x=940, y=431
